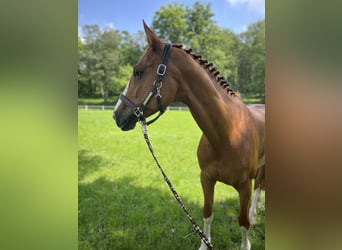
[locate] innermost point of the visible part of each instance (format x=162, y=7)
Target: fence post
x=86, y=107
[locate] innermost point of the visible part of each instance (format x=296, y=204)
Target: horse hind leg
x=244, y=195
x=208, y=192
x=259, y=184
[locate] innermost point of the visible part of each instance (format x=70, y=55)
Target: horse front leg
x=245, y=195
x=208, y=192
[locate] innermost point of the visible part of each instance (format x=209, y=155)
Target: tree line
x=106, y=56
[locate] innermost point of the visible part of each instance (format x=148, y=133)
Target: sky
x=127, y=15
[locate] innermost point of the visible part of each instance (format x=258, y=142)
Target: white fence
x=104, y=107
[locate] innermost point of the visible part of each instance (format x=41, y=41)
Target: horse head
x=152, y=86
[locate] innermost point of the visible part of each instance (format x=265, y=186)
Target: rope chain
x=174, y=192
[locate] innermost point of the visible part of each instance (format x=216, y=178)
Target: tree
x=88, y=59
x=99, y=60
x=199, y=18
x=81, y=67
x=108, y=64
x=223, y=47
x=169, y=23
x=201, y=35
x=121, y=78
x=252, y=59
x=131, y=47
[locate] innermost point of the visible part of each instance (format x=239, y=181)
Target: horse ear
x=153, y=41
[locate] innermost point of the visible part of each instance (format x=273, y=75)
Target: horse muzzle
x=125, y=120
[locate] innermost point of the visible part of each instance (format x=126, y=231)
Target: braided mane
x=211, y=68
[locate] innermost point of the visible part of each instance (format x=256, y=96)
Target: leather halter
x=138, y=111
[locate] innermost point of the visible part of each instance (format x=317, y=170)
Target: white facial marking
x=124, y=93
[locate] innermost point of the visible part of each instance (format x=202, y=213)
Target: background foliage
x=106, y=56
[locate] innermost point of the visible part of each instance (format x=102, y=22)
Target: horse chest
x=227, y=167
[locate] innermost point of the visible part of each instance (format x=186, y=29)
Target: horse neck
x=215, y=111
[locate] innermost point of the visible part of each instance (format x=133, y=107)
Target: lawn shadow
x=119, y=215
x=89, y=163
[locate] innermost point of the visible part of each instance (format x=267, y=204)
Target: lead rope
x=175, y=194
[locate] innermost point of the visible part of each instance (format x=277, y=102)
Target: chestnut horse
x=231, y=149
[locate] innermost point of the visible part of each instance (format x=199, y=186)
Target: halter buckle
x=161, y=70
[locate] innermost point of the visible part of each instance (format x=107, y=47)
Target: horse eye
x=138, y=73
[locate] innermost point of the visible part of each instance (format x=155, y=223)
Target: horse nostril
x=116, y=116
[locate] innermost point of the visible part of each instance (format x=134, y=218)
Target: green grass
x=124, y=202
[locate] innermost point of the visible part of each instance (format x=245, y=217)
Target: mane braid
x=179, y=46
x=209, y=65
x=215, y=73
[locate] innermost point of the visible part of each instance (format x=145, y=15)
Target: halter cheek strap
x=158, y=83
x=139, y=110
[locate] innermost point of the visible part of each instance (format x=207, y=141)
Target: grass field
x=124, y=202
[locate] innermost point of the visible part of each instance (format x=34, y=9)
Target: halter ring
x=155, y=84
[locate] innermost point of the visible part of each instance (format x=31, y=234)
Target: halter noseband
x=158, y=83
